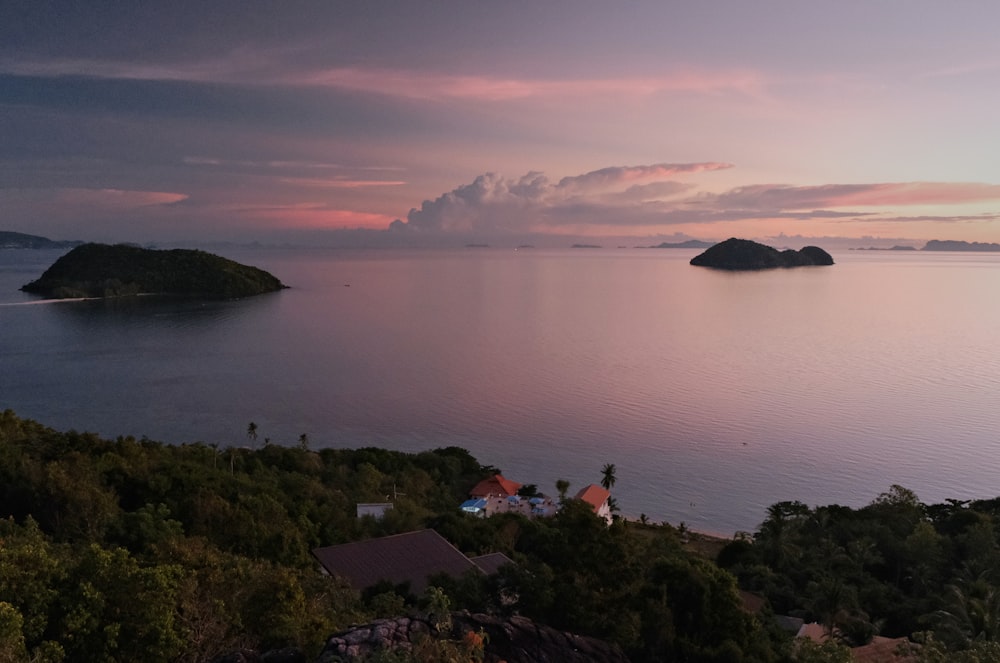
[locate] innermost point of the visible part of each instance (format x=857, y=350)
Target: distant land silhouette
x=940, y=245
x=897, y=247
x=689, y=244
x=958, y=245
x=745, y=255
x=103, y=270
x=13, y=240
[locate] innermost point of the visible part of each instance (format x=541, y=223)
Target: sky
x=437, y=123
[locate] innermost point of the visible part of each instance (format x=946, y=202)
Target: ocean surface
x=714, y=394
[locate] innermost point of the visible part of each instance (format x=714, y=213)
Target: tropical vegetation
x=104, y=270
x=129, y=549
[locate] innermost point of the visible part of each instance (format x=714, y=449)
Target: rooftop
x=495, y=485
x=401, y=558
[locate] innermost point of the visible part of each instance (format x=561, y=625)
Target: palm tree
x=608, y=481
x=561, y=487
x=252, y=432
x=972, y=609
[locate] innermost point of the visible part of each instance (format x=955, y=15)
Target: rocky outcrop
x=102, y=270
x=511, y=639
x=743, y=254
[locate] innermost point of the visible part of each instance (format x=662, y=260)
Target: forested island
x=106, y=270
x=129, y=550
x=746, y=255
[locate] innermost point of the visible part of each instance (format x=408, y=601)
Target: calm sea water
x=714, y=394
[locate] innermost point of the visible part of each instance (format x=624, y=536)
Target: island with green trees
x=746, y=255
x=105, y=270
x=128, y=549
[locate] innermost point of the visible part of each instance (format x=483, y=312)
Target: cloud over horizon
x=493, y=203
x=643, y=197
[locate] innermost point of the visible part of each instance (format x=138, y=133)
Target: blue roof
x=473, y=505
x=537, y=500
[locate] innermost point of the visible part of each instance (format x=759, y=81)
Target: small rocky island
x=744, y=255
x=103, y=270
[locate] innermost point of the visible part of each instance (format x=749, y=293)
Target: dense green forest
x=125, y=549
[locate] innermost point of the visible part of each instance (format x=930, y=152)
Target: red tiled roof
x=409, y=557
x=495, y=485
x=594, y=495
x=881, y=650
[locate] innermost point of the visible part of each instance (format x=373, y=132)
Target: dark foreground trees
x=896, y=567
x=132, y=550
x=121, y=550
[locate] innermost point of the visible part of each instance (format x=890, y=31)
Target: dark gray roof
x=411, y=557
x=789, y=624
x=491, y=563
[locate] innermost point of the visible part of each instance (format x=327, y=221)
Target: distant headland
x=689, y=244
x=746, y=255
x=104, y=270
x=942, y=245
x=13, y=240
x=958, y=245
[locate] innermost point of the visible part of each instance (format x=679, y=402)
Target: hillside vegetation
x=126, y=549
x=103, y=270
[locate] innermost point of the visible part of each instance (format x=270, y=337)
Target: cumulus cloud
x=624, y=198
x=498, y=204
x=617, y=175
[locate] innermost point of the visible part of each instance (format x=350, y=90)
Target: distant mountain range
x=12, y=240
x=942, y=245
x=955, y=245
x=689, y=244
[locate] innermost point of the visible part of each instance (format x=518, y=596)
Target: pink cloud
x=338, y=183
x=617, y=175
x=419, y=85
x=70, y=198
x=924, y=193
x=263, y=68
x=313, y=216
x=927, y=218
x=780, y=197
x=495, y=203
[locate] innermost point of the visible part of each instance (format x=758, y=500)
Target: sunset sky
x=436, y=122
